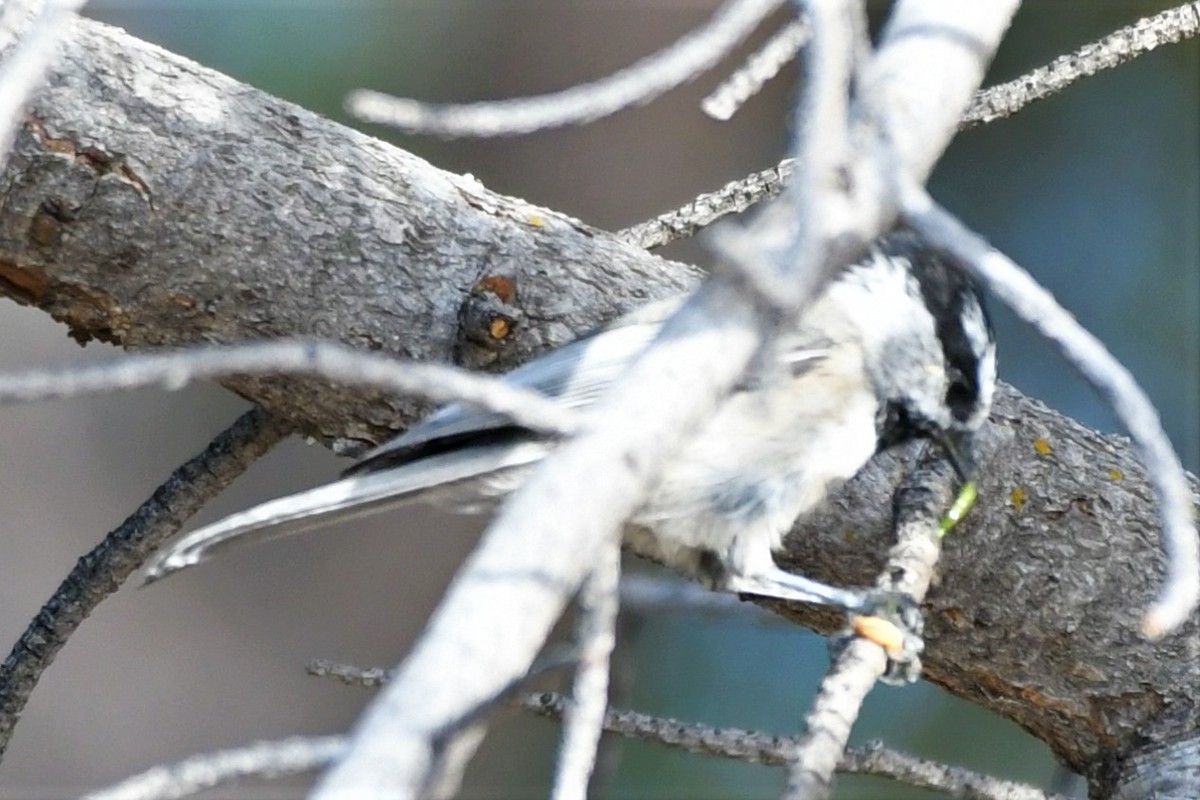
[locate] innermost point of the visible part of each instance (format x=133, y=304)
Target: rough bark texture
x=150, y=202
x=1037, y=612
x=153, y=203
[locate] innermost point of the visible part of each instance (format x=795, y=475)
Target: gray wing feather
x=404, y=470
x=574, y=376
x=342, y=500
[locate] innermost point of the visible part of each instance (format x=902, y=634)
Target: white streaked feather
x=351, y=497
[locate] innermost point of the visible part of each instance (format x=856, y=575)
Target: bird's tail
x=350, y=497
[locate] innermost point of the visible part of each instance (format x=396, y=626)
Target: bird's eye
x=960, y=398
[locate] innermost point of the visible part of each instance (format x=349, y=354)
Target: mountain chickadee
x=896, y=347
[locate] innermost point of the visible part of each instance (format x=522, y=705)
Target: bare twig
x=759, y=748
x=1018, y=290
x=762, y=66
x=27, y=60
x=1167, y=27
x=920, y=503
x=99, y=573
x=765, y=253
x=988, y=105
x=294, y=756
x=688, y=220
x=584, y=717
x=746, y=746
x=587, y=102
x=823, y=150
x=326, y=360
x=349, y=675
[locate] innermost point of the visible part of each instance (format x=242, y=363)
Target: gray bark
x=152, y=203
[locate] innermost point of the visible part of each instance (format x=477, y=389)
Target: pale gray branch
x=325, y=360
x=584, y=716
x=920, y=504
x=1167, y=27
x=294, y=756
x=634, y=85
x=763, y=65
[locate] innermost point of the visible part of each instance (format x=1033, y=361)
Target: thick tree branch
x=134, y=161
x=151, y=202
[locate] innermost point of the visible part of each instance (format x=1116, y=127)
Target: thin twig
x=347, y=674
x=584, y=717
x=688, y=220
x=99, y=573
x=26, y=63
x=1171, y=26
x=762, y=66
x=333, y=362
x=1020, y=292
x=294, y=756
x=1167, y=27
x=634, y=85
x=746, y=746
x=765, y=253
x=759, y=748
x=920, y=502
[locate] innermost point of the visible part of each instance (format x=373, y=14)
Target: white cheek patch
x=987, y=381
x=975, y=327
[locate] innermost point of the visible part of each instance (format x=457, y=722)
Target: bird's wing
x=454, y=445
x=457, y=444
x=574, y=376
x=350, y=497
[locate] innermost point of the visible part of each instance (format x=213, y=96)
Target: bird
x=898, y=346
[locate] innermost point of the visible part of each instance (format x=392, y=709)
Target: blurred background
x=1096, y=191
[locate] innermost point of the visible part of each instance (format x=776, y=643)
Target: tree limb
x=153, y=203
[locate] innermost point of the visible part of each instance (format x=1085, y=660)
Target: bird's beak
x=960, y=450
